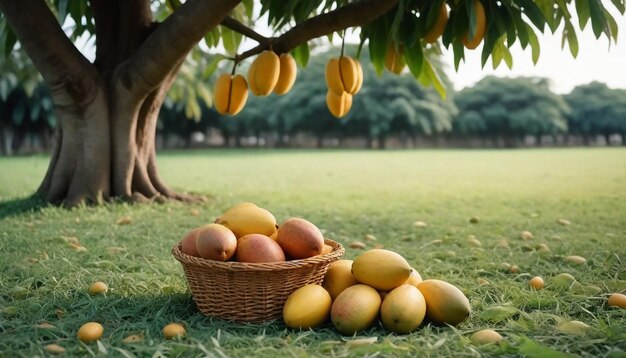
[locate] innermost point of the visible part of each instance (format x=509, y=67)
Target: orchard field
x=49, y=256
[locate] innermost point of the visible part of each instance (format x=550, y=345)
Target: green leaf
x=534, y=44
x=212, y=66
x=459, y=54
x=611, y=29
x=204, y=93
x=598, y=21
x=301, y=54
x=531, y=348
x=173, y=4
x=471, y=15
x=433, y=13
x=620, y=5
x=564, y=9
x=520, y=25
x=9, y=41
x=496, y=57
x=378, y=45
x=582, y=9
x=508, y=58
x=569, y=33
x=497, y=314
x=414, y=58
x=230, y=39
x=249, y=6
x=493, y=35
x=534, y=13
x=429, y=77
x=397, y=20
x=62, y=10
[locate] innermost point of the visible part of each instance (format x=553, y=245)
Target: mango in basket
x=216, y=242
x=247, y=218
x=188, y=245
x=300, y=238
x=258, y=248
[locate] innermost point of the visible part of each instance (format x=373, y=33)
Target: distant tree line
x=390, y=111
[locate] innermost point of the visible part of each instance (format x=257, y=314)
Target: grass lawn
x=348, y=194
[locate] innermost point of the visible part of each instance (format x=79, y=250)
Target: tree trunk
x=382, y=142
x=319, y=142
x=107, y=110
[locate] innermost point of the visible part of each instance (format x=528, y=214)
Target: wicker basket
x=250, y=292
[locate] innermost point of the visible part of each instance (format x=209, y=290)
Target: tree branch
x=354, y=14
x=171, y=42
x=237, y=26
x=39, y=32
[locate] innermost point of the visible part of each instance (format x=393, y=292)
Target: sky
x=595, y=61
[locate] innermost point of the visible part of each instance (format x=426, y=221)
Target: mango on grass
x=307, y=307
x=90, y=332
x=355, y=309
x=230, y=94
x=248, y=219
x=382, y=269
x=414, y=278
x=445, y=303
x=339, y=277
x=485, y=336
x=403, y=309
x=173, y=330
x=617, y=300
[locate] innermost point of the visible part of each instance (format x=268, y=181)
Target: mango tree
x=107, y=108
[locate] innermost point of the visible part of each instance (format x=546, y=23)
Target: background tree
x=107, y=110
x=509, y=109
x=597, y=110
x=25, y=104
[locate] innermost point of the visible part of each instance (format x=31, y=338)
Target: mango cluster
x=377, y=284
x=269, y=73
x=344, y=78
x=248, y=233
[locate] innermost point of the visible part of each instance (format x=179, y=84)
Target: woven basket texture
x=250, y=292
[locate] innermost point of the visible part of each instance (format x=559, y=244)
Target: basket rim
x=234, y=266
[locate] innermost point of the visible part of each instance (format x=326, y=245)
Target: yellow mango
x=339, y=277
x=230, y=94
x=307, y=307
x=338, y=105
x=382, y=269
x=248, y=219
x=287, y=76
x=264, y=73
x=403, y=309
x=445, y=304
x=355, y=309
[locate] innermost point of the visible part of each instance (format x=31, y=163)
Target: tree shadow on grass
x=18, y=206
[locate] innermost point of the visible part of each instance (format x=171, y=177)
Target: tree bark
x=107, y=110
